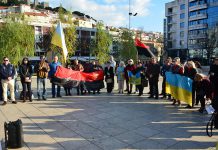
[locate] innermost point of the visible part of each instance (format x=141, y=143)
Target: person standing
x=26, y=72
x=140, y=69
x=7, y=72
x=68, y=89
x=153, y=72
x=214, y=80
x=78, y=67
x=177, y=68
x=53, y=68
x=120, y=76
x=190, y=71
x=130, y=67
x=42, y=70
x=166, y=67
x=109, y=77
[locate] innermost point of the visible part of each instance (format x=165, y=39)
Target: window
x=182, y=16
x=182, y=43
x=182, y=25
x=182, y=7
x=182, y=34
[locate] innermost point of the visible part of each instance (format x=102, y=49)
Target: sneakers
x=14, y=102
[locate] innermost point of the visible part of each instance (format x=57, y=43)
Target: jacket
x=7, y=71
x=129, y=68
x=42, y=69
x=53, y=68
x=25, y=71
x=203, y=88
x=154, y=70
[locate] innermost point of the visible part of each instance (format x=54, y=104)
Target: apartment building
x=186, y=26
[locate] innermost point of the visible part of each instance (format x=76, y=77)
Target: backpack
x=14, y=134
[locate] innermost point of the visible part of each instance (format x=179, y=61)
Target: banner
x=134, y=78
x=180, y=87
x=69, y=78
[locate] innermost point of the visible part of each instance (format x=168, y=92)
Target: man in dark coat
x=214, y=80
x=152, y=73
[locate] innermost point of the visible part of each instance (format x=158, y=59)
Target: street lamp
x=130, y=14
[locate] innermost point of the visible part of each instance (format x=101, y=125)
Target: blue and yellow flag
x=58, y=39
x=180, y=87
x=134, y=79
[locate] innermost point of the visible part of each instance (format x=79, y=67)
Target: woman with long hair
x=26, y=72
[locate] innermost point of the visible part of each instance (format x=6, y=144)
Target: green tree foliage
x=16, y=41
x=100, y=46
x=127, y=46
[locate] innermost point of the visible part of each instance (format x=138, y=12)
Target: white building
x=176, y=27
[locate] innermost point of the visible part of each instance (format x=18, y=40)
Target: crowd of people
x=204, y=87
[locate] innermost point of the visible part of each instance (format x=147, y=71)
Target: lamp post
x=130, y=14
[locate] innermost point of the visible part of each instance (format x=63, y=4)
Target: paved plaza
x=109, y=122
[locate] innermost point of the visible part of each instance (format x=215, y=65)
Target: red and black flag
x=70, y=78
x=143, y=49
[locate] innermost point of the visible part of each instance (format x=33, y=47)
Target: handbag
x=109, y=80
x=144, y=82
x=27, y=79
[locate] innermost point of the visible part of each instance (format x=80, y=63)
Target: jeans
x=27, y=86
x=41, y=87
x=1, y=91
x=53, y=86
x=5, y=85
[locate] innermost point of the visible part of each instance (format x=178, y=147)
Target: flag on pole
x=143, y=49
x=58, y=39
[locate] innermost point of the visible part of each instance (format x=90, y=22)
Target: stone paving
x=109, y=122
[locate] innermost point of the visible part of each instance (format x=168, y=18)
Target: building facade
x=186, y=26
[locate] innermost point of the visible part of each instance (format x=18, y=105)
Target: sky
x=116, y=12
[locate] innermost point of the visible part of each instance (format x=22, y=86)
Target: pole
x=129, y=26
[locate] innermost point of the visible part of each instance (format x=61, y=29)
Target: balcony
x=197, y=7
x=198, y=26
x=170, y=14
x=197, y=17
x=171, y=22
x=197, y=36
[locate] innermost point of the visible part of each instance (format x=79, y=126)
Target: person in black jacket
x=153, y=72
x=109, y=77
x=140, y=69
x=26, y=72
x=214, y=80
x=166, y=68
x=7, y=73
x=190, y=71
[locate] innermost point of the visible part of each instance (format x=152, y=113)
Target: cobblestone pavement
x=108, y=121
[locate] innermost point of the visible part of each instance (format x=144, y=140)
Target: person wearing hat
x=42, y=69
x=26, y=72
x=130, y=67
x=213, y=73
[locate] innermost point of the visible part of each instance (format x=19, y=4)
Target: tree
x=210, y=42
x=16, y=40
x=127, y=48
x=100, y=46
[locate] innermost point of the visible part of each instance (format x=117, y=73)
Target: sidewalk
x=108, y=121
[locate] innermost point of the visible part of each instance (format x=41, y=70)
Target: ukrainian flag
x=134, y=79
x=58, y=39
x=180, y=87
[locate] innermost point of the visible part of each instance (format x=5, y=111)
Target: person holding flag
x=53, y=68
